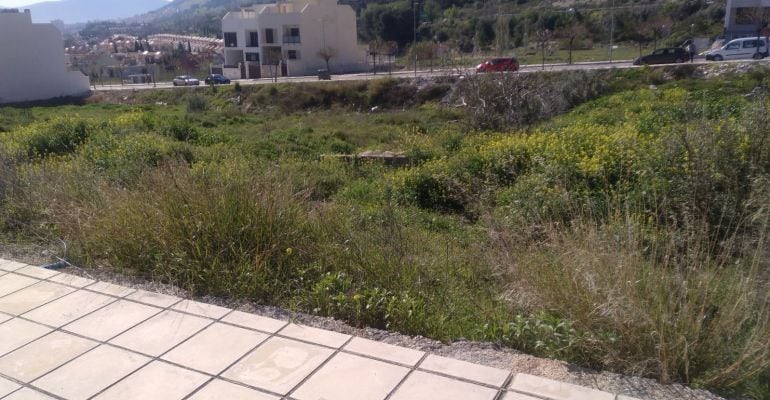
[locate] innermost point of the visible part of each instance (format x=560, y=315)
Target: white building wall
x=731, y=6
x=32, y=62
x=321, y=22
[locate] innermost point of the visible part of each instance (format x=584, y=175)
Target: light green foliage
x=628, y=234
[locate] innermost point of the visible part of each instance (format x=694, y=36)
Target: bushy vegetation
x=628, y=233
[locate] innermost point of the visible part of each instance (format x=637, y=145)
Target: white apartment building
x=746, y=17
x=285, y=39
x=32, y=62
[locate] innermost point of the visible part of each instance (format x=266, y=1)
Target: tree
x=375, y=49
x=572, y=31
x=327, y=53
x=543, y=37
x=485, y=33
x=389, y=22
x=423, y=51
x=502, y=34
x=189, y=48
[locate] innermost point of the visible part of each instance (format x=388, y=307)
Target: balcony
x=291, y=40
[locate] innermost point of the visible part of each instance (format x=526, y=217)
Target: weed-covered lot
x=590, y=217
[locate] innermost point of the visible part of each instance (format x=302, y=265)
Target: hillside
x=472, y=26
x=76, y=11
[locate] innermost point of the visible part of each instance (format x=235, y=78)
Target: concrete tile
x=254, y=321
x=79, y=379
x=215, y=348
x=278, y=364
x=43, y=355
x=71, y=280
x=10, y=283
x=373, y=380
x=28, y=394
x=4, y=317
x=219, y=389
x=315, y=335
x=518, y=396
x=153, y=299
x=160, y=333
x=156, y=381
x=37, y=272
x=384, y=351
x=33, y=296
x=11, y=266
x=466, y=370
x=7, y=386
x=69, y=308
x=556, y=390
x=110, y=289
x=202, y=309
x=425, y=386
x=18, y=332
x=112, y=320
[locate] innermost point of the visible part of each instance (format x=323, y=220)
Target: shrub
x=642, y=304
x=59, y=136
x=197, y=103
x=509, y=101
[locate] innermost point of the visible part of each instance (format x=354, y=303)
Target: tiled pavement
x=66, y=337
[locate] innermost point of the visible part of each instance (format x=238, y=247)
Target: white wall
x=320, y=22
x=32, y=65
x=732, y=5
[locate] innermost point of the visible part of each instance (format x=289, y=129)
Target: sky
x=18, y=3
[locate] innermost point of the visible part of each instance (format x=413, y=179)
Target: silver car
x=186, y=80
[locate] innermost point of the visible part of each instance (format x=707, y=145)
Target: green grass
x=627, y=234
x=533, y=56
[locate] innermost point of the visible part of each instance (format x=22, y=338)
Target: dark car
x=216, y=79
x=668, y=55
x=498, y=64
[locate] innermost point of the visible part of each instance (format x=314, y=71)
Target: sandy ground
x=481, y=353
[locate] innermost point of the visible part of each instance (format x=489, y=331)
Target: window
x=292, y=55
x=291, y=34
x=750, y=44
x=252, y=56
x=231, y=39
x=269, y=36
x=733, y=46
x=253, y=39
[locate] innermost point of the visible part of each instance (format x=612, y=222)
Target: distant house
x=746, y=17
x=32, y=66
x=291, y=38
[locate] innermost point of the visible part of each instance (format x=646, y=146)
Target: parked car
x=738, y=49
x=668, y=55
x=499, y=64
x=186, y=80
x=216, y=79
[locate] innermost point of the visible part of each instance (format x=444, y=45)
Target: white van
x=738, y=49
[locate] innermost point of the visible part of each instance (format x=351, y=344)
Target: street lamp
x=414, y=34
x=612, y=27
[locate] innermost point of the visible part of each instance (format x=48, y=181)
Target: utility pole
x=414, y=35
x=612, y=27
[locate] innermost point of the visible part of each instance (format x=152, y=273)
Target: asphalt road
x=531, y=68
